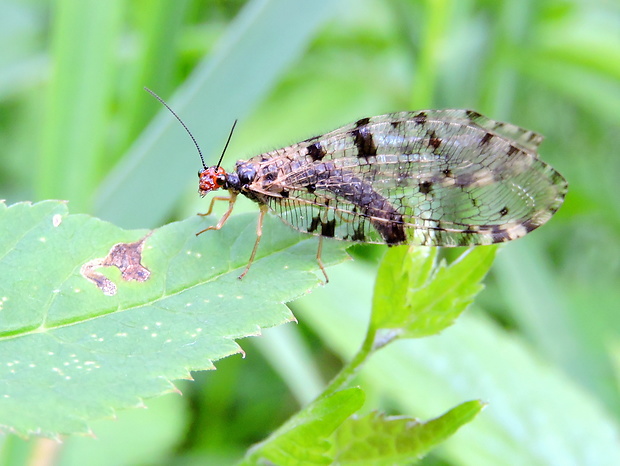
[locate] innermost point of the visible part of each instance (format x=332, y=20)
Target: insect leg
x=320, y=262
x=259, y=233
x=220, y=224
x=216, y=198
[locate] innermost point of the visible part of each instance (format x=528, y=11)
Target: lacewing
x=433, y=178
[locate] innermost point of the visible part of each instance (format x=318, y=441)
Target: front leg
x=216, y=198
x=231, y=203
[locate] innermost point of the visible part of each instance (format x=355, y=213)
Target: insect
x=433, y=177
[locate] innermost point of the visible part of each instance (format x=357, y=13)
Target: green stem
x=339, y=382
x=351, y=369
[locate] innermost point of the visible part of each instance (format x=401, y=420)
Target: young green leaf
x=534, y=408
x=403, y=270
x=377, y=439
x=94, y=318
x=306, y=438
x=416, y=298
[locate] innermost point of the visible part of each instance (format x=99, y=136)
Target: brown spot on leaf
x=126, y=257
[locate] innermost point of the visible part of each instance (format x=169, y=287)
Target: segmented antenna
x=226, y=145
x=190, y=133
x=180, y=121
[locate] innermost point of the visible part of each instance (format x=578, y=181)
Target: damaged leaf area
x=94, y=318
x=126, y=257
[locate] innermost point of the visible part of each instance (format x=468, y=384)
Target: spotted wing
x=437, y=177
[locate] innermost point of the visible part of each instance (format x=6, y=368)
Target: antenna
x=226, y=145
x=184, y=126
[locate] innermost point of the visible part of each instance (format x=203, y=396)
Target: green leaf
x=74, y=349
x=75, y=131
x=402, y=270
x=377, y=439
x=535, y=412
x=417, y=298
x=305, y=438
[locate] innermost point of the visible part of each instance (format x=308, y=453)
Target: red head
x=211, y=179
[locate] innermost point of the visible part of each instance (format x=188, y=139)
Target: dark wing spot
x=530, y=225
x=358, y=234
x=433, y=140
x=316, y=151
x=314, y=224
x=311, y=188
x=467, y=179
x=472, y=115
x=465, y=239
x=328, y=229
x=557, y=179
x=364, y=141
x=486, y=139
x=426, y=187
x=504, y=211
x=395, y=124
x=420, y=118
x=498, y=233
x=284, y=193
x=512, y=150
x=447, y=172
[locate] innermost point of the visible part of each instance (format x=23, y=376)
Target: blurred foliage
x=76, y=124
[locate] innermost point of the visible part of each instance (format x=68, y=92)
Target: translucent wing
x=437, y=177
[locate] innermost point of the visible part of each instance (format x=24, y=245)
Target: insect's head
x=210, y=179
x=213, y=178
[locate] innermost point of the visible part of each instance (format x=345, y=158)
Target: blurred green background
x=76, y=124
